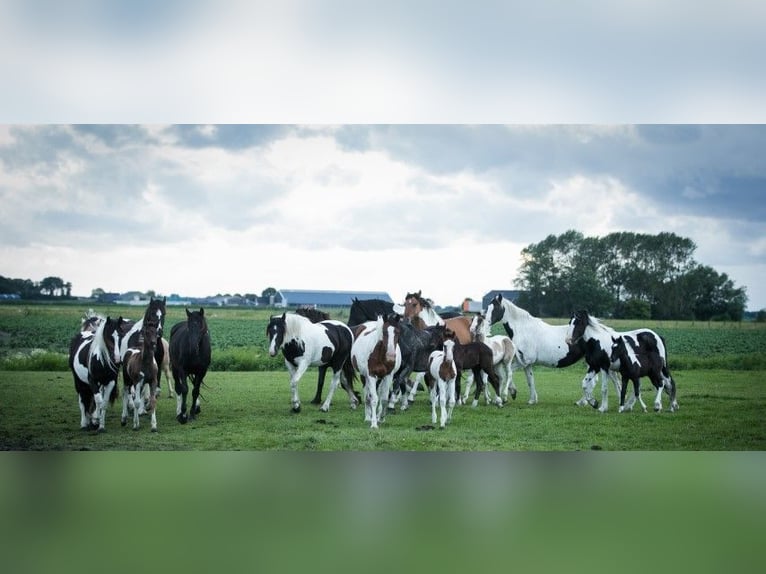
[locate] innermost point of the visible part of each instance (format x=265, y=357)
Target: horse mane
x=98, y=346
x=312, y=314
x=595, y=323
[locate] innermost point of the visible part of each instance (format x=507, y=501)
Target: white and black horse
x=304, y=344
x=595, y=338
x=190, y=355
x=155, y=312
x=94, y=359
x=377, y=356
x=641, y=360
x=536, y=341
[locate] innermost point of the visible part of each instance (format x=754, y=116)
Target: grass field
x=719, y=369
x=720, y=410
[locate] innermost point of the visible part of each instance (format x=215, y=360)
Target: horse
x=536, y=341
x=636, y=361
x=416, y=346
x=94, y=359
x=503, y=353
x=422, y=314
x=189, y=357
x=155, y=311
x=596, y=338
x=440, y=378
x=376, y=355
x=304, y=344
x=363, y=310
x=476, y=357
x=140, y=368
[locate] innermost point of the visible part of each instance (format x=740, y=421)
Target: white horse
x=304, y=344
x=583, y=327
x=376, y=355
x=536, y=341
x=503, y=353
x=441, y=376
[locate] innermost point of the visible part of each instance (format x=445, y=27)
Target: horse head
x=577, y=325
x=155, y=311
x=496, y=309
x=391, y=332
x=413, y=304
x=196, y=328
x=275, y=331
x=618, y=349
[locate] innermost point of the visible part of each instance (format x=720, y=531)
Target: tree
x=268, y=292
x=52, y=286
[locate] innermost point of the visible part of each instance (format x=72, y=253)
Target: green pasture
x=719, y=369
x=720, y=410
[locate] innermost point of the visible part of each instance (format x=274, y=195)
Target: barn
x=324, y=299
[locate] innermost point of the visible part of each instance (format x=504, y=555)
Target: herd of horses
x=392, y=349
x=106, y=347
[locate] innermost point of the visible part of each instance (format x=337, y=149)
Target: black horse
x=189, y=357
x=368, y=310
x=415, y=345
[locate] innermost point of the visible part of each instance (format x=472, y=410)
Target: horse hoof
x=297, y=409
x=316, y=401
x=101, y=429
x=182, y=419
x=154, y=430
x=513, y=395
x=595, y=404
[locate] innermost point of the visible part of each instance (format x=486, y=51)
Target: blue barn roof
x=299, y=297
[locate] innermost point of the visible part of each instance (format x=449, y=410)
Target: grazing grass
x=720, y=410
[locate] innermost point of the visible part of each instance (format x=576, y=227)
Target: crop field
x=719, y=369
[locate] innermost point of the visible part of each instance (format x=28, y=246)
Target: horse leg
x=153, y=404
x=383, y=392
x=443, y=402
x=450, y=398
x=670, y=387
x=295, y=375
x=333, y=385
x=658, y=400
x=138, y=400
x=531, y=382
x=84, y=419
x=102, y=414
x=415, y=386
x=623, y=390
x=320, y=385
x=182, y=391
x=433, y=393
x=469, y=381
x=194, y=408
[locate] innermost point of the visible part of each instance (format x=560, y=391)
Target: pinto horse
x=477, y=358
x=636, y=361
x=503, y=353
x=536, y=341
x=440, y=378
x=189, y=357
x=596, y=339
x=140, y=368
x=155, y=312
x=94, y=359
x=375, y=353
x=304, y=344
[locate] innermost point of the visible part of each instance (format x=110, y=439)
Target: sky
x=201, y=148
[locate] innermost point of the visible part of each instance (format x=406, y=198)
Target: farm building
x=510, y=295
x=300, y=298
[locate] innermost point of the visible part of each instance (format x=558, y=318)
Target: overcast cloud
x=395, y=146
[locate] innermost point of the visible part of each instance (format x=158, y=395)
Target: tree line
x=625, y=275
x=49, y=287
